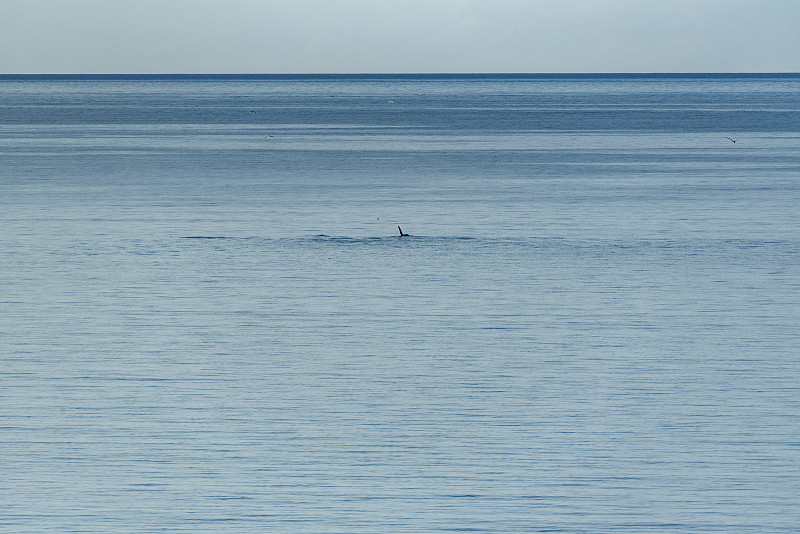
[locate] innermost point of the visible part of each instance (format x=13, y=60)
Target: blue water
x=209, y=322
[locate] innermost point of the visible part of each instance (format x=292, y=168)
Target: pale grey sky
x=349, y=36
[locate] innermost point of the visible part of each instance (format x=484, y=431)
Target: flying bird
x=732, y=140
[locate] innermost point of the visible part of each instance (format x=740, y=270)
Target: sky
x=397, y=36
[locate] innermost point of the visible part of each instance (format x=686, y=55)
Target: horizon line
x=390, y=74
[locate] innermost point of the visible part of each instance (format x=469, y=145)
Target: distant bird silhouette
x=732, y=140
x=401, y=232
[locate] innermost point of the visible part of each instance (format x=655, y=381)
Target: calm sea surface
x=209, y=322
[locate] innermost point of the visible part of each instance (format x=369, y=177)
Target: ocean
x=209, y=321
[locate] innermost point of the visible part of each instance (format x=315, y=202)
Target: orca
x=401, y=232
